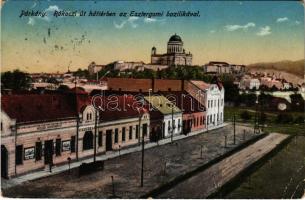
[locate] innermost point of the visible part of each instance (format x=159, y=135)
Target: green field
x=270, y=125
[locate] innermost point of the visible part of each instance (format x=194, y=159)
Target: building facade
x=214, y=102
x=172, y=115
x=215, y=67
x=39, y=131
x=176, y=54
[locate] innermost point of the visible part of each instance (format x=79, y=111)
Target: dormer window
x=89, y=116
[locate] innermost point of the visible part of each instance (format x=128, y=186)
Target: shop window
x=100, y=138
x=123, y=134
x=145, y=130
x=116, y=135
x=73, y=144
x=38, y=147
x=88, y=140
x=18, y=156
x=137, y=131
x=58, y=147
x=130, y=132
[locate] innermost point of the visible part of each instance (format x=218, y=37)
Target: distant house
x=249, y=83
x=215, y=67
x=94, y=68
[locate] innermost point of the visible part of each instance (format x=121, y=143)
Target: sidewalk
x=109, y=155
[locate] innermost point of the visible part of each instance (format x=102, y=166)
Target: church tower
x=175, y=44
x=153, y=51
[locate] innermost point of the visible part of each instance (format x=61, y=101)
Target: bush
x=299, y=120
x=284, y=118
x=245, y=115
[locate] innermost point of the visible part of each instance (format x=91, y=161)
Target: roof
x=37, y=107
x=175, y=38
x=201, y=84
x=218, y=63
x=119, y=107
x=162, y=104
x=184, y=101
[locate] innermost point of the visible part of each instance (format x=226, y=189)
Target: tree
x=63, y=88
x=82, y=73
x=245, y=115
x=299, y=120
x=16, y=80
x=284, y=118
x=297, y=102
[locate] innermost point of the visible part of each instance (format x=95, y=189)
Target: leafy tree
x=16, y=80
x=82, y=73
x=63, y=88
x=299, y=120
x=52, y=80
x=297, y=102
x=284, y=118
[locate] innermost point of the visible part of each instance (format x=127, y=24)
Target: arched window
x=88, y=140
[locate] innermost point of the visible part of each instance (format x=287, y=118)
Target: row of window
x=211, y=118
x=130, y=133
x=198, y=121
x=36, y=152
x=212, y=103
x=174, y=122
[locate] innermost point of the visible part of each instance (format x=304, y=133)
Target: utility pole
x=77, y=121
x=234, y=136
x=172, y=136
x=95, y=133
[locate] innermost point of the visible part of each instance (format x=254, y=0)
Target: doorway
x=48, y=152
x=108, y=140
x=4, y=162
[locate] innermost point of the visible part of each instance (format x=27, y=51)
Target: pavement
x=109, y=155
x=161, y=165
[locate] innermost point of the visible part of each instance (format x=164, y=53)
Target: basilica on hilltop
x=175, y=55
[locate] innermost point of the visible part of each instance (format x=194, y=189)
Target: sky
x=232, y=31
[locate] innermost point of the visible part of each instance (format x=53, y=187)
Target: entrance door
x=48, y=152
x=108, y=140
x=4, y=161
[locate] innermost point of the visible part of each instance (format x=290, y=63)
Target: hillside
x=293, y=67
x=292, y=70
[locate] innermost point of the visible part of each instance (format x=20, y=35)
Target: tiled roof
x=119, y=107
x=162, y=104
x=202, y=85
x=37, y=107
x=184, y=101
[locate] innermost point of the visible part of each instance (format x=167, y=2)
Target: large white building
x=176, y=54
x=213, y=95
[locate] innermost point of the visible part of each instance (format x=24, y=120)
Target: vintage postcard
x=152, y=99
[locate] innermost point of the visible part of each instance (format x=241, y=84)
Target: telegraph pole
x=234, y=129
x=172, y=136
x=95, y=133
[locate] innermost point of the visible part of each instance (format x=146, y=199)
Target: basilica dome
x=175, y=38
